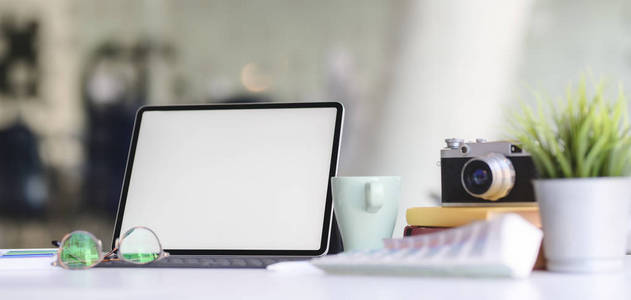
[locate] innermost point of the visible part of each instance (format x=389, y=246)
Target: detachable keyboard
x=207, y=261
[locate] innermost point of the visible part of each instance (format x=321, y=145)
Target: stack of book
x=426, y=220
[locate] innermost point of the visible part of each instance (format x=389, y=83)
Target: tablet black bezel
x=326, y=230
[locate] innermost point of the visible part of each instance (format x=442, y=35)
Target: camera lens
x=489, y=177
x=477, y=177
x=481, y=177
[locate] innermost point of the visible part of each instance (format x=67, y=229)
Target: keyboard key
x=255, y=262
x=176, y=260
x=207, y=262
x=223, y=262
x=238, y=262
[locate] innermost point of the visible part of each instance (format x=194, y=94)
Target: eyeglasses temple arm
x=110, y=253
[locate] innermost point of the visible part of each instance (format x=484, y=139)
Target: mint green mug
x=366, y=209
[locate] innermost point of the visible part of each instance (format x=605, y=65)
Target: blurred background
x=410, y=74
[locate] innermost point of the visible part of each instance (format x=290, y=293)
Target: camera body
x=486, y=173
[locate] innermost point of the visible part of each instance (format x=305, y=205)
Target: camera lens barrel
x=490, y=176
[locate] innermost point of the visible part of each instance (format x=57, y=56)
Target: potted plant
x=581, y=147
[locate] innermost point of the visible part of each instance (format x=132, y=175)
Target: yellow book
x=439, y=216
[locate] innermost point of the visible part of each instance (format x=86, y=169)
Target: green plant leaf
x=584, y=135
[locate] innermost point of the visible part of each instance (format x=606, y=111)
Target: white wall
x=455, y=69
x=568, y=38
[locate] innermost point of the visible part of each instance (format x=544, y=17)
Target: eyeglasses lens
x=140, y=245
x=80, y=250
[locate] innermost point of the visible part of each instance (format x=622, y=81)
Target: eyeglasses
x=80, y=250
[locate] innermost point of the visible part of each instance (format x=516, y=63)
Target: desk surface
x=306, y=283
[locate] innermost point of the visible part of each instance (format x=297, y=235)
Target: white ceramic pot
x=584, y=222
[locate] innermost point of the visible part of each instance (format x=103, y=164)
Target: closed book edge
x=438, y=216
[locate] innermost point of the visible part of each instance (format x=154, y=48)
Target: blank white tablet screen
x=251, y=179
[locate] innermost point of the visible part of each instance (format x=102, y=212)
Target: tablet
x=233, y=179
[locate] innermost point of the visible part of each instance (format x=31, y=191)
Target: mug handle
x=374, y=196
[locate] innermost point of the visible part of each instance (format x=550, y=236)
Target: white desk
x=110, y=283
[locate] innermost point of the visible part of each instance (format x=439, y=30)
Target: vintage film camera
x=491, y=173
